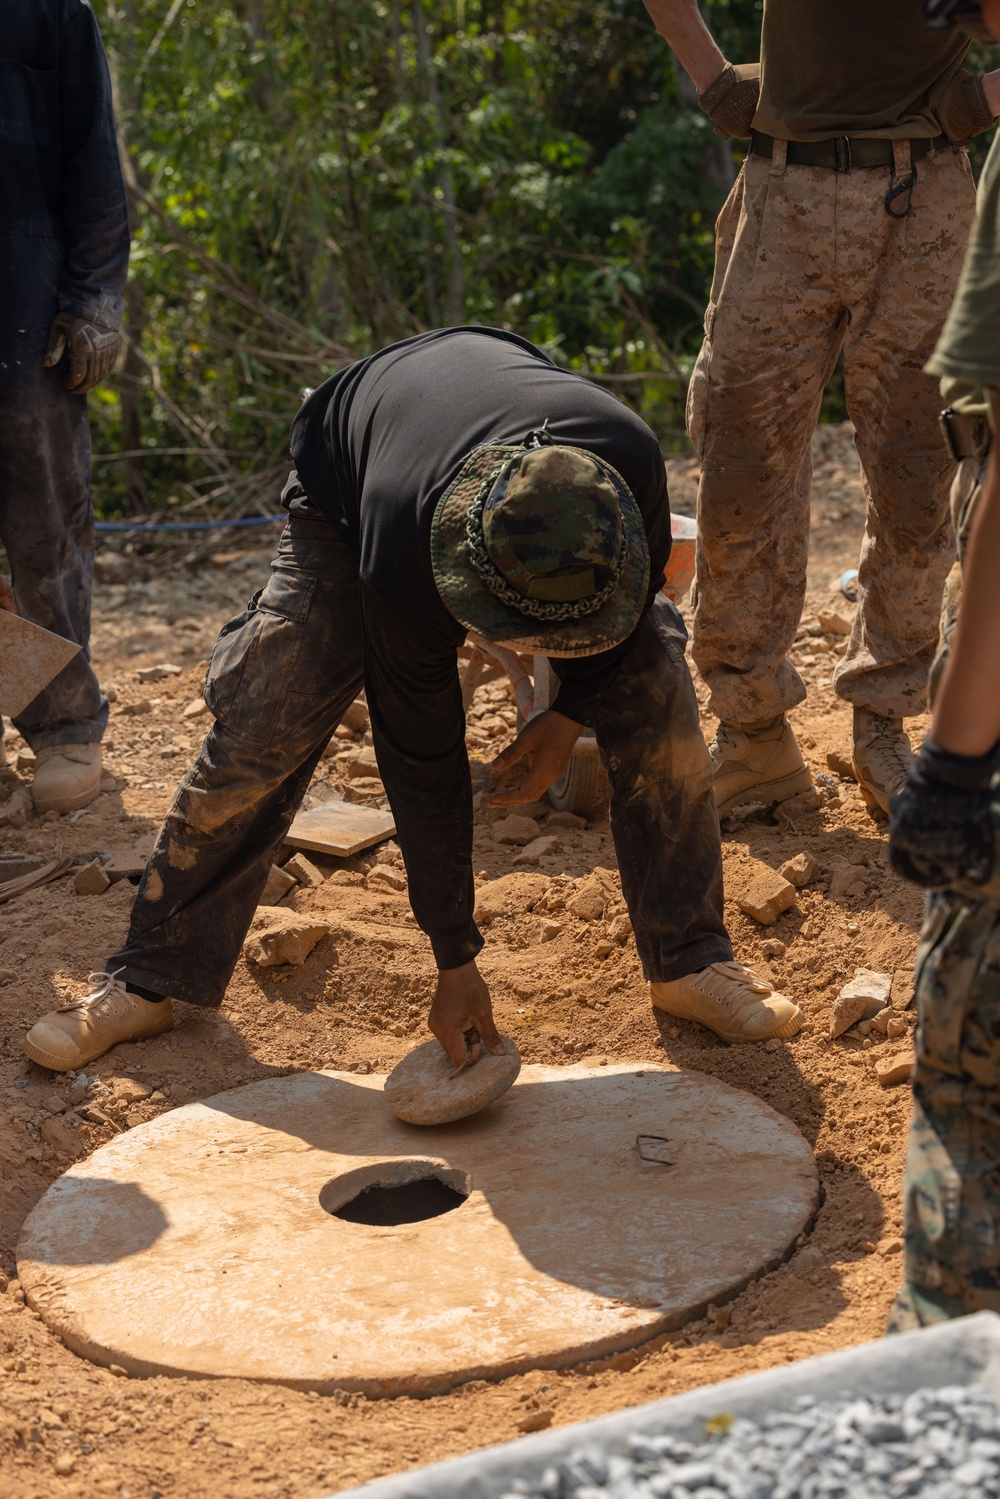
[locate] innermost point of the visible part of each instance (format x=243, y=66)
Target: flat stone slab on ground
x=29, y=658
x=340, y=829
x=198, y=1244
x=426, y=1088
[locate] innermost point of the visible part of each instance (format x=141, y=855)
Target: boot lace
x=732, y=985
x=101, y=985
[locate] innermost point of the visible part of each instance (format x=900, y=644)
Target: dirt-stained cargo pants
x=282, y=676
x=808, y=262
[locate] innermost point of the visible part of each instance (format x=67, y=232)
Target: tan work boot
x=757, y=763
x=882, y=757
x=67, y=776
x=86, y=1028
x=733, y=1002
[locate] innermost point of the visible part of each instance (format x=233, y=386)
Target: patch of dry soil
x=564, y=987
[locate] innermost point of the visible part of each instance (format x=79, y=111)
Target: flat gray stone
x=425, y=1088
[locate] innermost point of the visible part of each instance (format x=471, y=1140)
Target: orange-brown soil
x=68, y=1428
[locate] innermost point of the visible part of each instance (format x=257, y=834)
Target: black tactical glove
x=941, y=824
x=92, y=350
x=962, y=110
x=731, y=101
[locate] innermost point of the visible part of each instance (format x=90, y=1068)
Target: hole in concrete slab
x=395, y=1192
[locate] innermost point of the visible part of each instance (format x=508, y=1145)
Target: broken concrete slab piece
x=847, y=881
x=832, y=623
x=340, y=830
x=767, y=895
x=565, y=820
x=91, y=879
x=130, y=864
x=278, y=936
x=276, y=886
x=426, y=1087
x=17, y=809
x=537, y=849
x=362, y=764
x=800, y=870
x=356, y=717
x=515, y=830
x=897, y=1069
x=385, y=877
x=29, y=659
x=863, y=996
x=136, y=709
x=304, y=871
x=195, y=708
x=901, y=994
x=157, y=673
x=57, y=1133
x=590, y=902
x=620, y=929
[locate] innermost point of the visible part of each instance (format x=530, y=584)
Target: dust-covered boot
x=730, y=1000
x=67, y=776
x=87, y=1027
x=882, y=757
x=757, y=762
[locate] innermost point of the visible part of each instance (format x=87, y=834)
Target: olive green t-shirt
x=853, y=67
x=968, y=351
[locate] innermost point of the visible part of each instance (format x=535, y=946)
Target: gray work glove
x=962, y=110
x=91, y=349
x=731, y=101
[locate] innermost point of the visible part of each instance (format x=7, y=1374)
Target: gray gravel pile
x=938, y=1444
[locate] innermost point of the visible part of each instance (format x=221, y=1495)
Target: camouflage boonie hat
x=541, y=548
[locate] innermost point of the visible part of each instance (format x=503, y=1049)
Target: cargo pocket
x=252, y=667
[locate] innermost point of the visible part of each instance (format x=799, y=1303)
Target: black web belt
x=844, y=153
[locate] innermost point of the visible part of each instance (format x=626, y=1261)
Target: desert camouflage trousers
x=951, y=1195
x=809, y=263
x=965, y=492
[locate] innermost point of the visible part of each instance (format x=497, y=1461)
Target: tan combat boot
x=731, y=1001
x=67, y=776
x=882, y=757
x=86, y=1028
x=758, y=762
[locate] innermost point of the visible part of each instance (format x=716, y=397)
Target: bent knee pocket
x=253, y=666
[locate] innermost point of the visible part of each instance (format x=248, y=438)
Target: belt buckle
x=842, y=153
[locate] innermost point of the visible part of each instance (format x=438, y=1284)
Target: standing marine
x=842, y=235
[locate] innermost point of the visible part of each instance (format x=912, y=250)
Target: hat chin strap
x=498, y=585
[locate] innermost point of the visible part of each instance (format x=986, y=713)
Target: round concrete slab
x=426, y=1087
x=216, y=1240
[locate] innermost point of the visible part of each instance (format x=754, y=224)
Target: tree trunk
x=454, y=293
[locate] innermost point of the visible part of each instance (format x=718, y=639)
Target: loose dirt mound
x=566, y=984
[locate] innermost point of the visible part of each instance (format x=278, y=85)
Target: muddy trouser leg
x=47, y=528
x=899, y=279
x=773, y=328
x=663, y=816
x=966, y=489
x=281, y=677
x=951, y=1193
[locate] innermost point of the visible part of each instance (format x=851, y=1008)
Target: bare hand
x=546, y=744
x=461, y=1016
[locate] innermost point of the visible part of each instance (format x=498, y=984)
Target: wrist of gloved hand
x=941, y=823
x=962, y=109
x=731, y=100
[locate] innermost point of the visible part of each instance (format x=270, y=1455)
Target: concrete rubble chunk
x=901, y=995
x=140, y=706
x=897, y=1069
x=17, y=809
x=832, y=623
x=896, y=1026
x=800, y=870
x=880, y=1022
x=57, y=1133
x=277, y=885
x=91, y=879
x=548, y=929
x=304, y=870
x=841, y=762
x=515, y=830
x=590, y=902
x=799, y=806
x=565, y=820
x=620, y=929
x=862, y=997
x=362, y=764
x=386, y=877
x=279, y=936
x=356, y=717
x=538, y=848
x=195, y=708
x=159, y=672
x=130, y=1090
x=767, y=895
x=847, y=881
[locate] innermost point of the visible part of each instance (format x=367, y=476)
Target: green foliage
x=315, y=178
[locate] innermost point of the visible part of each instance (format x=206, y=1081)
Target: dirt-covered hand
x=461, y=1016
x=545, y=743
x=91, y=350
x=941, y=825
x=963, y=109
x=731, y=101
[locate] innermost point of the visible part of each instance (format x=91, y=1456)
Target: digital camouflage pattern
x=808, y=261
x=551, y=505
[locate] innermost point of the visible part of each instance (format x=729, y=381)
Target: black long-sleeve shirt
x=60, y=177
x=375, y=447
